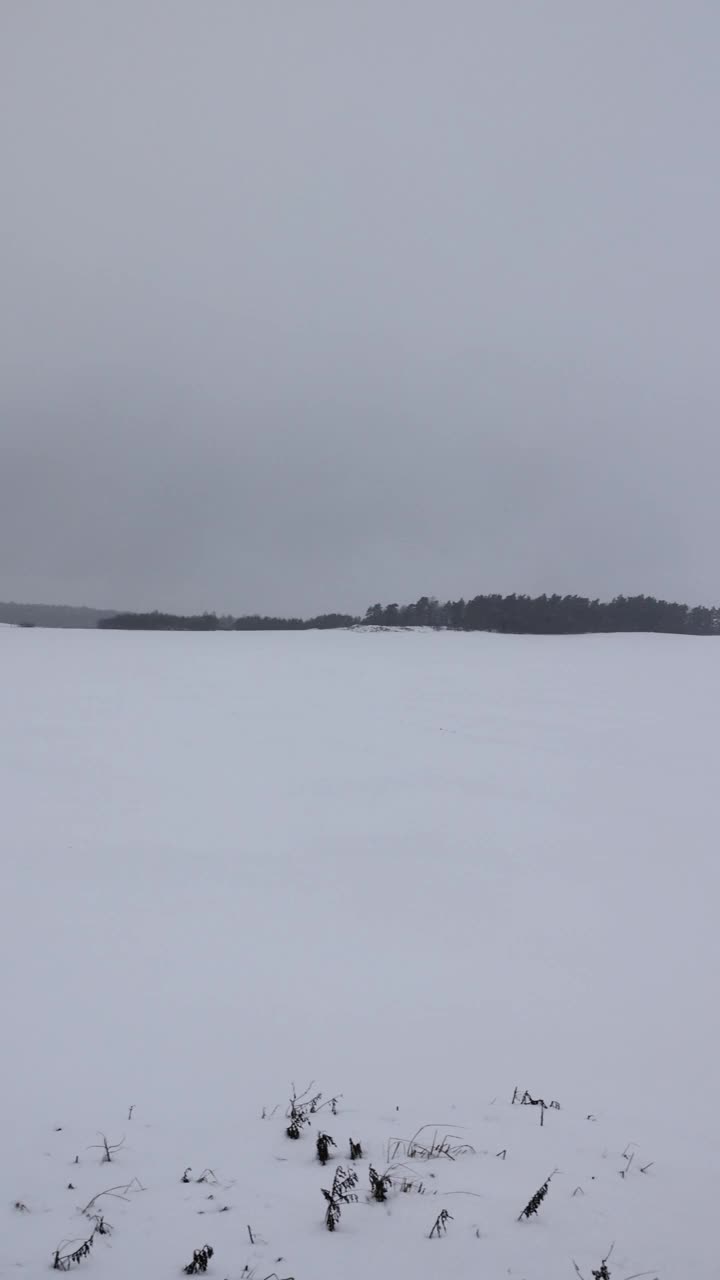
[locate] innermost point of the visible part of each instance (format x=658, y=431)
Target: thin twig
x=115, y=1192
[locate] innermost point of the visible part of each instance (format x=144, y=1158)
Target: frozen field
x=419, y=869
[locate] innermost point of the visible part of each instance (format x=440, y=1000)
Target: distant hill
x=52, y=615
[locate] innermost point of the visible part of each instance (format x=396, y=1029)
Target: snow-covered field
x=419, y=869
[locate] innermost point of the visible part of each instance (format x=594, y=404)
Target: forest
x=514, y=614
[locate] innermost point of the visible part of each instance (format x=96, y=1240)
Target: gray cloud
x=307, y=305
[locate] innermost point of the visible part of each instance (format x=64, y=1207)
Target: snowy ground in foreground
x=417, y=868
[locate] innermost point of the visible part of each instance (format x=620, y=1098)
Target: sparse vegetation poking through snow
x=299, y=1110
x=200, y=1260
x=527, y=1100
x=356, y=1151
x=109, y=1149
x=102, y=1227
x=21, y=1206
x=331, y=1103
x=380, y=1184
x=64, y=1261
x=439, y=1227
x=416, y=1148
x=339, y=1194
x=535, y=1201
x=323, y=1144
x=602, y=1272
x=410, y=1184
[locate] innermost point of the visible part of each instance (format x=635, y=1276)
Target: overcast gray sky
x=312, y=303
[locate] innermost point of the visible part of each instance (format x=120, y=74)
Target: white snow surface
x=419, y=869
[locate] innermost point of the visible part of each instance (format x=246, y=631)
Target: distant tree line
x=50, y=615
x=161, y=622
x=323, y=622
x=515, y=614
x=211, y=622
x=549, y=615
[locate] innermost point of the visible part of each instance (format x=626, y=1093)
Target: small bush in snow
x=200, y=1260
x=323, y=1144
x=300, y=1108
x=380, y=1184
x=535, y=1201
x=339, y=1194
x=356, y=1151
